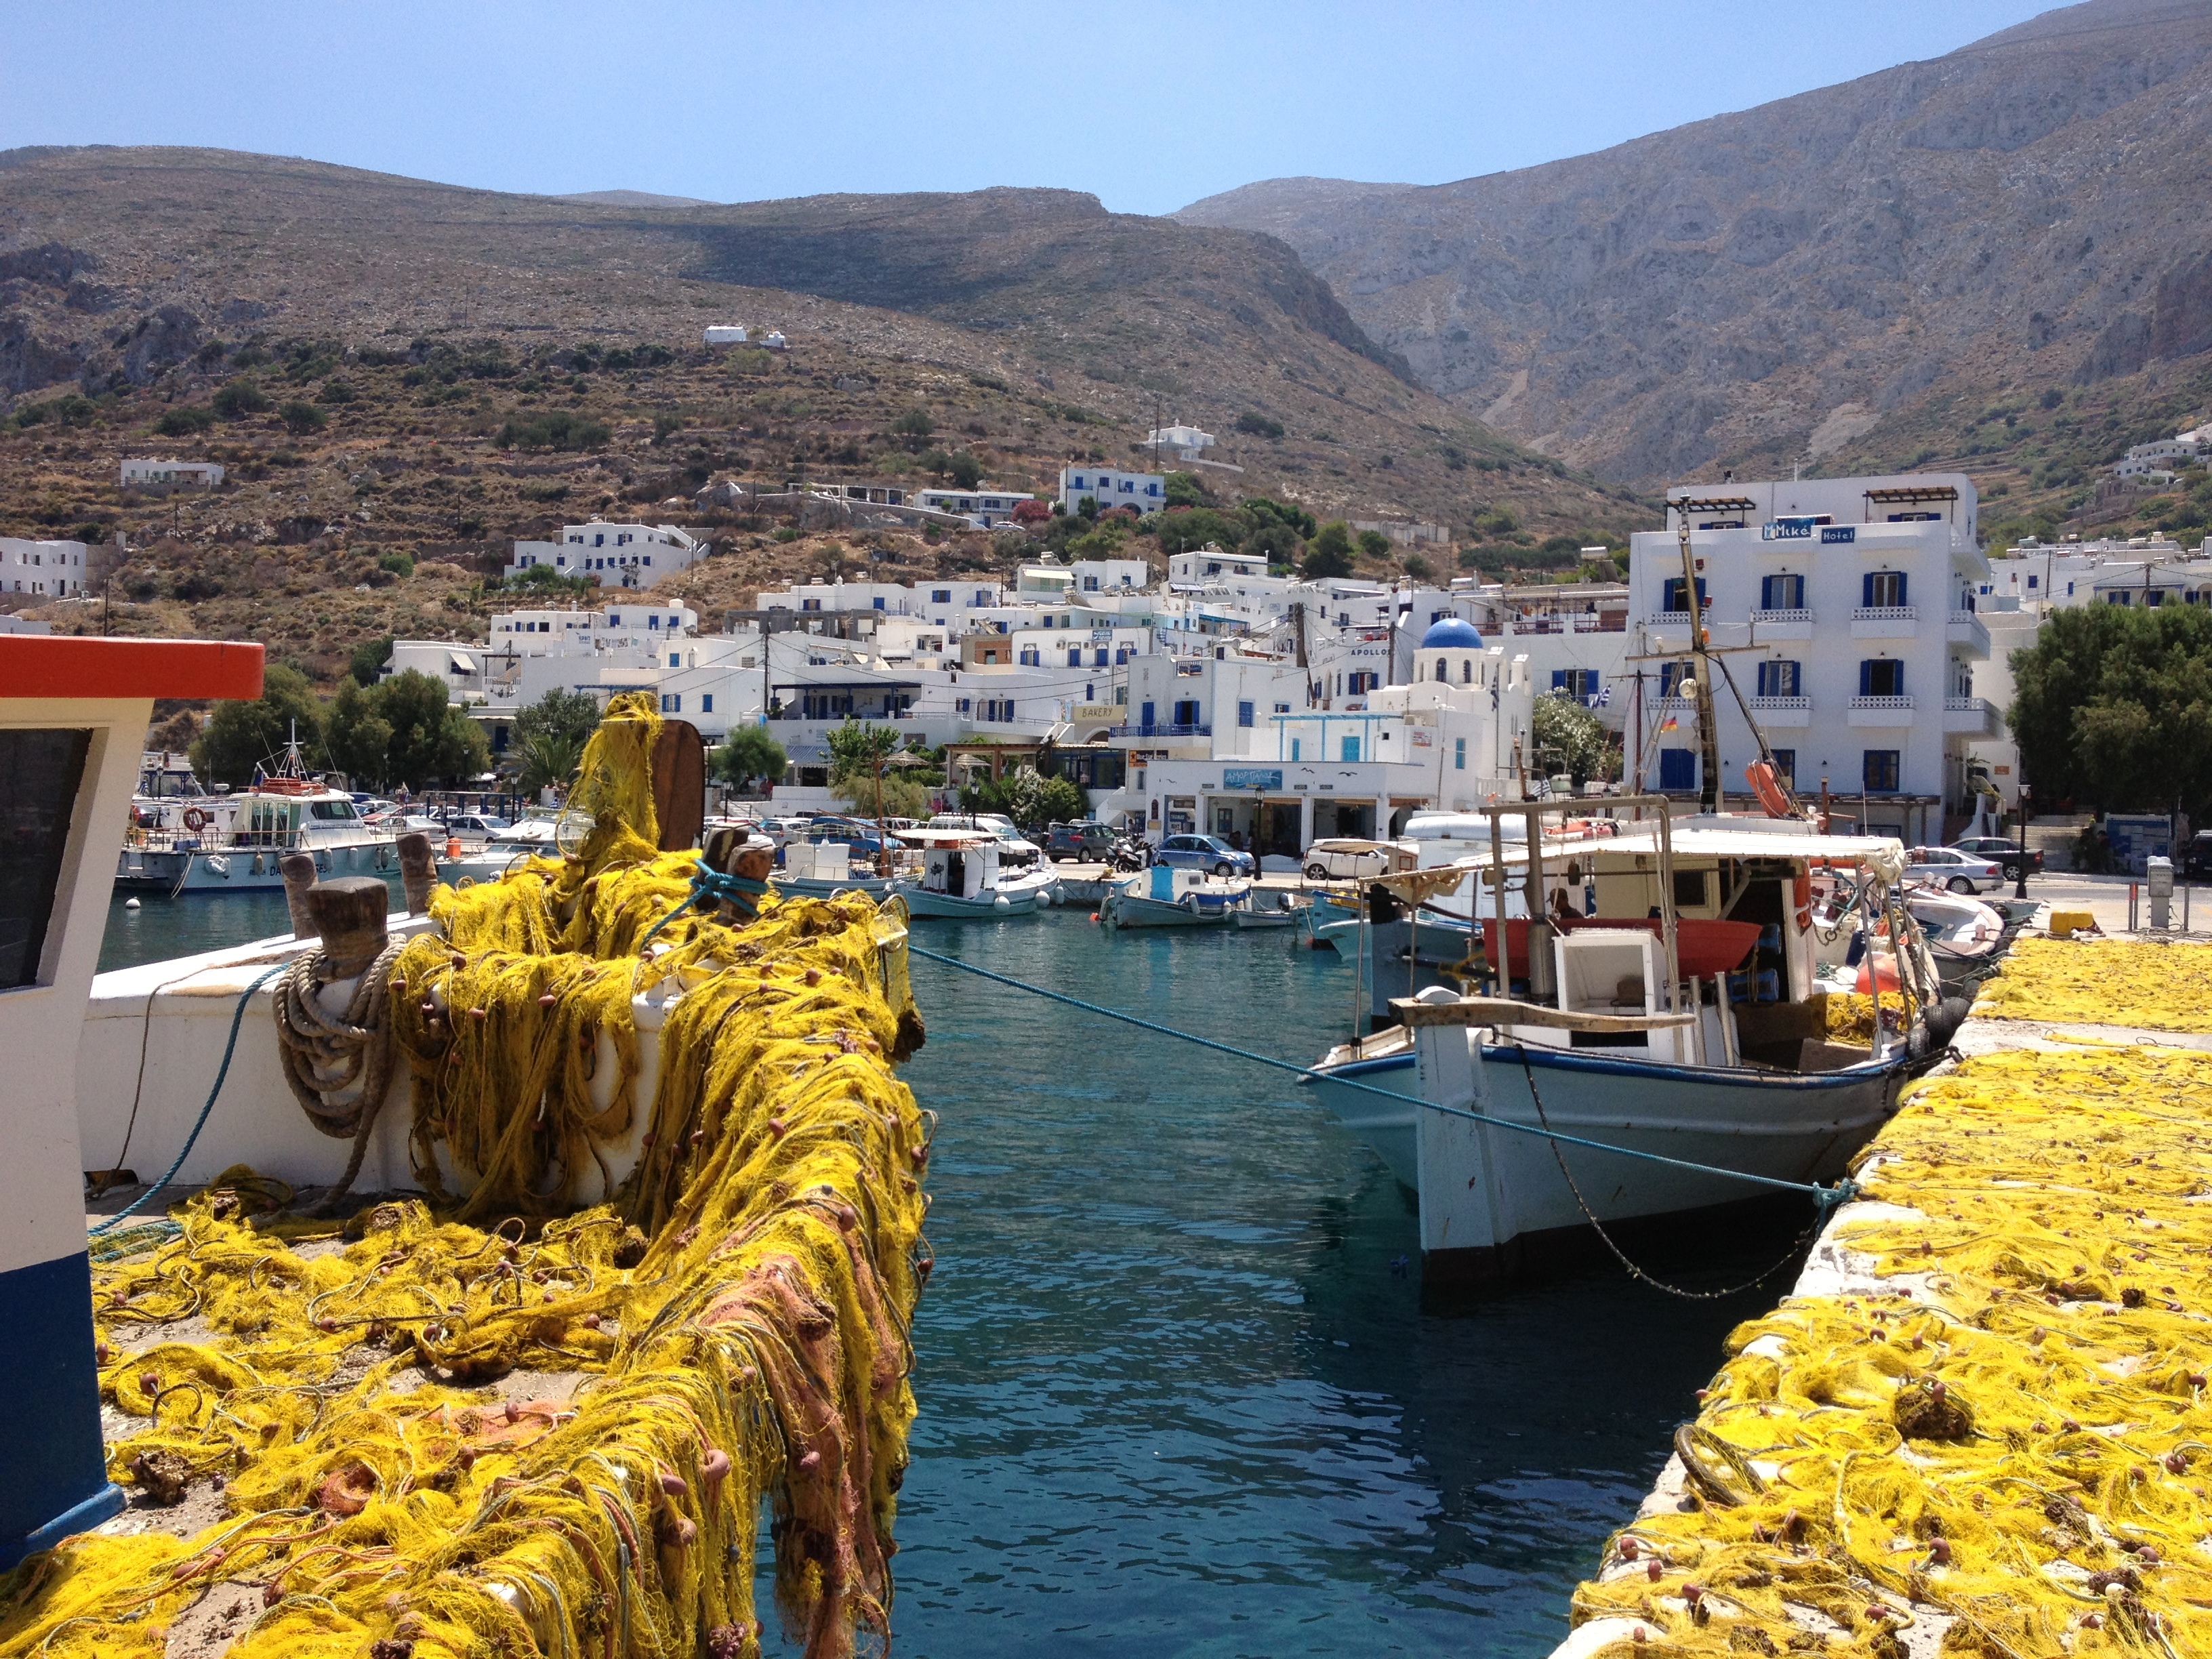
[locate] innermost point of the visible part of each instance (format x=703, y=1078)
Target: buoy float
x=130, y=904
x=1094, y=916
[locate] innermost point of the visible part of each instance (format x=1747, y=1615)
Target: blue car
x=1204, y=853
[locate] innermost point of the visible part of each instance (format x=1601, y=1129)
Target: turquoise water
x=1179, y=1391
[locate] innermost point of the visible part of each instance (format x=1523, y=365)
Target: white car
x=1344, y=858
x=1947, y=866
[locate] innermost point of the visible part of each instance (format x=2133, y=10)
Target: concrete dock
x=1978, y=1423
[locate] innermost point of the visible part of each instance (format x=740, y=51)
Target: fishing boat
x=816, y=869
x=288, y=811
x=170, y=797
x=962, y=875
x=1699, y=1033
x=1164, y=896
x=1966, y=936
x=1269, y=912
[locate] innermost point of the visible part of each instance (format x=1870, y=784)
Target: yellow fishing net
x=555, y=1434
x=2166, y=988
x=2013, y=1439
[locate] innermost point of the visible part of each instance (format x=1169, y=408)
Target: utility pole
x=1709, y=742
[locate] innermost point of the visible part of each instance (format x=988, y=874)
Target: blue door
x=1678, y=769
x=1148, y=721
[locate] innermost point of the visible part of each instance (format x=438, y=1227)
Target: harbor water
x=1179, y=1390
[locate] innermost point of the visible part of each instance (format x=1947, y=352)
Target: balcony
x=1969, y=717
x=1879, y=711
x=1782, y=624
x=1966, y=629
x=1677, y=620
x=1783, y=711
x=1162, y=729
x=1885, y=622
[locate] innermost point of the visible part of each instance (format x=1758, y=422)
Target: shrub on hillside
x=556, y=428
x=1258, y=425
x=185, y=420
x=300, y=417
x=240, y=397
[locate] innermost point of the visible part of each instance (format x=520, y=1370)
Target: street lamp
x=2019, y=871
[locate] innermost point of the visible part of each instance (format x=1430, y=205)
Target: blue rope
x=710, y=887
x=237, y=1017
x=1825, y=1197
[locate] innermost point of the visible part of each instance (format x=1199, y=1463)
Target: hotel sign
x=1252, y=777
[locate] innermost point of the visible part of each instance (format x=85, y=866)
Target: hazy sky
x=1148, y=107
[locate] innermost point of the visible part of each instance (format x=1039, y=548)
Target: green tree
x=369, y=660
x=1569, y=738
x=748, y=753
x=241, y=736
x=915, y=423
x=546, y=757
x=184, y=420
x=2113, y=707
x=1187, y=490
x=1329, y=553
x=563, y=713
x=1261, y=510
x=1374, y=544
x=301, y=418
x=404, y=730
x=1185, y=530
x=859, y=747
x=240, y=397
x=1062, y=801
x=967, y=471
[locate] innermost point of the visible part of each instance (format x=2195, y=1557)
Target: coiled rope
x=324, y=1056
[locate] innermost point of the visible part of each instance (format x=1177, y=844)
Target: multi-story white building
x=2166, y=455
x=1111, y=487
x=199, y=475
x=48, y=569
x=616, y=555
x=1188, y=443
x=1843, y=607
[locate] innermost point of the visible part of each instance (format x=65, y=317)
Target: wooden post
x=299, y=870
x=418, y=871
x=349, y=916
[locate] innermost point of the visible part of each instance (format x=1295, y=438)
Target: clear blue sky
x=1147, y=106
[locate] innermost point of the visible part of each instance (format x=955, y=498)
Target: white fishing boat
x=1697, y=1033
x=1269, y=912
x=1964, y=935
x=170, y=797
x=1163, y=897
x=818, y=869
x=962, y=874
x=287, y=812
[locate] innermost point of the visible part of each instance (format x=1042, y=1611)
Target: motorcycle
x=1129, y=854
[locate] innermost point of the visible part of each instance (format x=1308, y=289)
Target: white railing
x=1781, y=705
x=1799, y=615
x=1885, y=704
x=1966, y=705
x=1887, y=613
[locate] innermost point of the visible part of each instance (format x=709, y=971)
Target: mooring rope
x=1824, y=1197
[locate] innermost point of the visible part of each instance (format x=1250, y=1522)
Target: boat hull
x=1128, y=910
x=233, y=869
x=977, y=906
x=1492, y=1198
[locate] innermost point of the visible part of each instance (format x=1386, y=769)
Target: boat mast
x=1709, y=742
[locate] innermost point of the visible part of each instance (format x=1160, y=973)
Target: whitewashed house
x=1853, y=601
x=633, y=556
x=726, y=334
x=1111, y=487
x=170, y=475
x=1188, y=443
x=982, y=506
x=47, y=569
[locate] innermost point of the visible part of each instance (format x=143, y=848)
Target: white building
x=2162, y=457
x=48, y=569
x=1109, y=487
x=615, y=555
x=726, y=334
x=774, y=340
x=1208, y=563
x=201, y=475
x=1188, y=443
x=1851, y=601
x=980, y=505
x=1048, y=581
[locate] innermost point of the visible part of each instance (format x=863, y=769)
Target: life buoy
x=1760, y=776
x=1800, y=894
x=195, y=819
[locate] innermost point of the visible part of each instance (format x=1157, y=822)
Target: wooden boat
x=1607, y=1034
x=1165, y=897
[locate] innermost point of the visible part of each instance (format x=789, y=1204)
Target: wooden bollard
x=348, y=916
x=418, y=871
x=735, y=852
x=299, y=870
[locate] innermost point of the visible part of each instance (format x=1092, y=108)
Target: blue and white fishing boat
x=1697, y=1033
x=1163, y=897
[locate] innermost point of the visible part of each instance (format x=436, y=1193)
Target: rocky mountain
x=145, y=270
x=1856, y=273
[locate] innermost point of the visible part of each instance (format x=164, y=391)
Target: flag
x=1668, y=724
x=1604, y=696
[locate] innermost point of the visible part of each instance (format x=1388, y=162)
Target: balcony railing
x=1161, y=729
x=1883, y=705
x=1965, y=627
x=1910, y=613
x=1781, y=705
x=1799, y=615
x=1966, y=705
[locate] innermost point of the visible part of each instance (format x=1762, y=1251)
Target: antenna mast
x=1709, y=741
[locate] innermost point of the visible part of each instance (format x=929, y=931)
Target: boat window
x=40, y=773
x=1690, y=890
x=331, y=809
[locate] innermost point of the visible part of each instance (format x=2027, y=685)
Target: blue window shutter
x=1901, y=579
x=1866, y=672
x=1866, y=590
x=1559, y=679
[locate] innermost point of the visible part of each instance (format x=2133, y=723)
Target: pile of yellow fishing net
x=406, y=1465
x=2011, y=1440
x=2162, y=987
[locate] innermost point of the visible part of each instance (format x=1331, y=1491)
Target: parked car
x=1962, y=872
x=2196, y=857
x=472, y=824
x=1204, y=853
x=2005, y=855
x=1348, y=858
x=1086, y=843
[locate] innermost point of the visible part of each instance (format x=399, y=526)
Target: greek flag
x=1603, y=698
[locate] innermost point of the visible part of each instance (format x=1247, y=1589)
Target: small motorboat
x=1965, y=936
x=1163, y=897
x=1279, y=915
x=963, y=875
x=818, y=869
